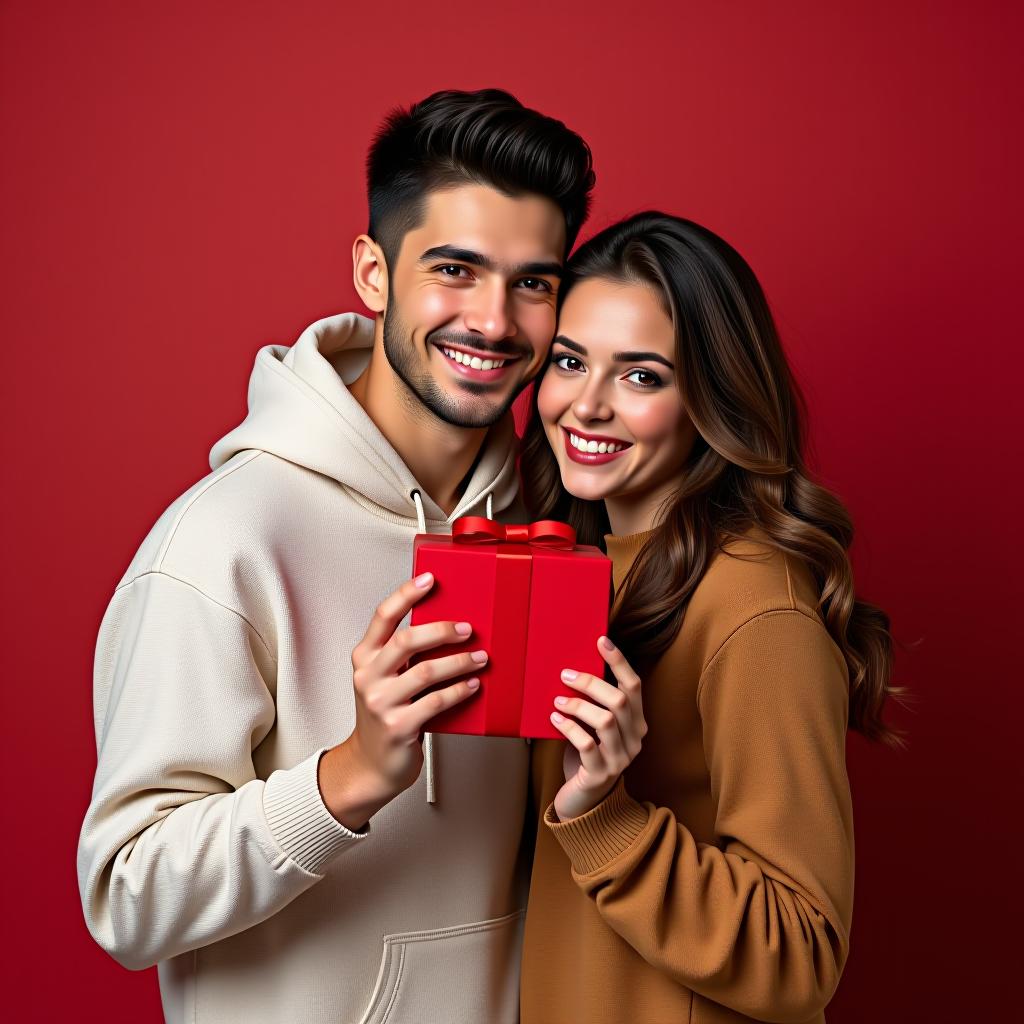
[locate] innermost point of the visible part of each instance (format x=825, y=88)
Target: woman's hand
x=615, y=715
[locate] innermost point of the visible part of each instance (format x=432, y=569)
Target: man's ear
x=370, y=273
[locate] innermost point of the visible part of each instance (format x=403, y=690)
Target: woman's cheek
x=552, y=399
x=655, y=420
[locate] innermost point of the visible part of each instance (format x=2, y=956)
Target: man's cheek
x=438, y=307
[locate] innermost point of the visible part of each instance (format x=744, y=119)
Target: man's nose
x=488, y=313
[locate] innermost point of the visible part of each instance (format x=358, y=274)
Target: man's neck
x=438, y=454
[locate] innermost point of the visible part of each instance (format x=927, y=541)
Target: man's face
x=471, y=301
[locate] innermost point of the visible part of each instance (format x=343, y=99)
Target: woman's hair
x=746, y=467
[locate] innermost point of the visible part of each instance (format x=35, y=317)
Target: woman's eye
x=561, y=360
x=652, y=381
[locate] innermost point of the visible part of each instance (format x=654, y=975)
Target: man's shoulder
x=229, y=508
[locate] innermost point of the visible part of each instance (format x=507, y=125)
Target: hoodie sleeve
x=182, y=844
x=758, y=921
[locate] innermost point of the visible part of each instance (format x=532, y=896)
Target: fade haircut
x=487, y=138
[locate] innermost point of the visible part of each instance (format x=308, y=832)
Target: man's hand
x=384, y=754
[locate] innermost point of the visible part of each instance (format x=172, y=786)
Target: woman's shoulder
x=749, y=576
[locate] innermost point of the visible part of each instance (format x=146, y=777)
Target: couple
x=270, y=824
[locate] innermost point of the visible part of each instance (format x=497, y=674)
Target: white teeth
x=473, y=362
x=597, y=447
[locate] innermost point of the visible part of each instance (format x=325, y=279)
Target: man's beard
x=398, y=347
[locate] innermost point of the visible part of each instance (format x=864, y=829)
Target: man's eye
x=653, y=380
x=452, y=270
x=535, y=284
x=558, y=361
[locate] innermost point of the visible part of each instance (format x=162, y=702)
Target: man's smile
x=476, y=364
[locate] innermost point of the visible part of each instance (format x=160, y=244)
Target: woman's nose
x=591, y=404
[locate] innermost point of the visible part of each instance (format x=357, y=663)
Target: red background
x=181, y=184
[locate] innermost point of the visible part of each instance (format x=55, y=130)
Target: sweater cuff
x=594, y=839
x=299, y=820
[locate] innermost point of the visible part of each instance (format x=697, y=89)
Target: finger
x=600, y=692
x=404, y=643
x=590, y=756
x=416, y=715
x=629, y=682
x=425, y=674
x=390, y=612
x=601, y=720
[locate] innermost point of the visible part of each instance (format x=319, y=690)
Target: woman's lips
x=590, y=458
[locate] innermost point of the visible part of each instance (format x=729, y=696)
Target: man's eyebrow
x=478, y=259
x=619, y=357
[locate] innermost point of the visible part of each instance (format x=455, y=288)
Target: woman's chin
x=585, y=490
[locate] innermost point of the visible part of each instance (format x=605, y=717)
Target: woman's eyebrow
x=619, y=357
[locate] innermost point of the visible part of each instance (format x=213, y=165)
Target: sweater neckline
x=622, y=549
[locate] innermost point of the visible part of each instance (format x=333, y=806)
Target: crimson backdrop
x=181, y=184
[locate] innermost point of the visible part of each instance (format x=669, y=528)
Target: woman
x=694, y=857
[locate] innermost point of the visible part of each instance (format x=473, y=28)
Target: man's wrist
x=351, y=792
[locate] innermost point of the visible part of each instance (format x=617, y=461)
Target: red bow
x=548, y=533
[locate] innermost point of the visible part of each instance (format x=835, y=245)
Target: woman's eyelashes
x=651, y=379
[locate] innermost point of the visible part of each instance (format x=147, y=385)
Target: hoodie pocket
x=464, y=974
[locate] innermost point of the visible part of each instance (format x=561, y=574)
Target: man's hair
x=486, y=137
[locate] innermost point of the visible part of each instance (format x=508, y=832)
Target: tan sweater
x=715, y=883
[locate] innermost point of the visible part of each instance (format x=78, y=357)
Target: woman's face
x=609, y=399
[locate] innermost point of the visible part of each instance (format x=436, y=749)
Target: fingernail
x=473, y=683
x=569, y=675
x=606, y=644
x=424, y=580
x=556, y=717
x=463, y=628
x=561, y=701
x=479, y=657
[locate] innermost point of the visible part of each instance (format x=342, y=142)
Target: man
x=240, y=756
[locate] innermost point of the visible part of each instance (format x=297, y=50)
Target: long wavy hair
x=745, y=469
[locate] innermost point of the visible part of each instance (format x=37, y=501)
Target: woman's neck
x=638, y=513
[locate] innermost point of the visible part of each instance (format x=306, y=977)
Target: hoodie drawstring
x=428, y=737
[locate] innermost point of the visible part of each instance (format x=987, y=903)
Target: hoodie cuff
x=299, y=820
x=596, y=838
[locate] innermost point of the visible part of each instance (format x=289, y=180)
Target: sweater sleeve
x=759, y=920
x=182, y=844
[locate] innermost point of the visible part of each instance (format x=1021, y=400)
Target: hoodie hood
x=300, y=409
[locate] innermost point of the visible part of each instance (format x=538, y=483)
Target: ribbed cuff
x=594, y=839
x=299, y=820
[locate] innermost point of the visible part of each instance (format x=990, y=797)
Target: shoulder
x=748, y=577
x=231, y=509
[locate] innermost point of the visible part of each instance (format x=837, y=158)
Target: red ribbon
x=548, y=533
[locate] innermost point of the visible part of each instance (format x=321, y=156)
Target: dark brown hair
x=745, y=469
x=486, y=137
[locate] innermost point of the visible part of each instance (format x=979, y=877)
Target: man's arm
x=182, y=844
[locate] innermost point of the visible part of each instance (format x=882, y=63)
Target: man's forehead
x=480, y=219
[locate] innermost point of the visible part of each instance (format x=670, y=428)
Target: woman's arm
x=759, y=921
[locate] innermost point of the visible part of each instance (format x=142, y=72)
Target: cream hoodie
x=222, y=673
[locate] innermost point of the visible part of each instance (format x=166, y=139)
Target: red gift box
x=537, y=602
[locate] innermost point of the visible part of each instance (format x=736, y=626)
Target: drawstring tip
x=428, y=756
